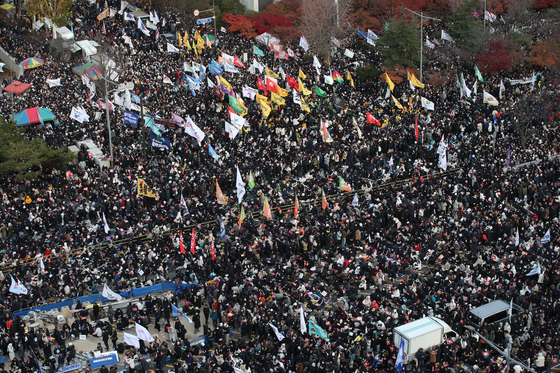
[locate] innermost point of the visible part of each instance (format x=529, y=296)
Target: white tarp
x=89, y=47
x=64, y=33
x=266, y=39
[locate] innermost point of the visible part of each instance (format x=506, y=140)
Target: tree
x=400, y=44
x=545, y=54
x=56, y=10
x=495, y=59
x=465, y=27
x=321, y=20
x=23, y=158
x=241, y=24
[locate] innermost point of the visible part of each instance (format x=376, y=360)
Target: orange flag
x=296, y=208
x=266, y=209
x=325, y=203
x=222, y=199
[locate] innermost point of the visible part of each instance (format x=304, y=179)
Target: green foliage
x=308, y=57
x=553, y=13
x=465, y=26
x=232, y=6
x=250, y=12
x=26, y=158
x=519, y=39
x=368, y=73
x=364, y=45
x=400, y=44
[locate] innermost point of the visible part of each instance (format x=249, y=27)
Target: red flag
x=230, y=111
x=104, y=29
x=181, y=244
x=416, y=128
x=371, y=119
x=193, y=242
x=213, y=249
x=260, y=84
x=276, y=47
x=296, y=208
x=218, y=92
x=237, y=62
x=292, y=82
x=271, y=85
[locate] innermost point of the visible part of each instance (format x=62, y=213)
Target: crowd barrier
x=98, y=298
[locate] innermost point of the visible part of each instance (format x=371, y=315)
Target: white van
x=424, y=333
x=493, y=312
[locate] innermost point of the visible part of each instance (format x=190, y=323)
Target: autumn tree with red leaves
x=241, y=24
x=495, y=59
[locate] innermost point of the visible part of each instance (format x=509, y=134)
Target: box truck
x=423, y=333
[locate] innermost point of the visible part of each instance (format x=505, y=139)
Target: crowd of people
x=359, y=263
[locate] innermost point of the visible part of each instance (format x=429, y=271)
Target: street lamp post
x=422, y=16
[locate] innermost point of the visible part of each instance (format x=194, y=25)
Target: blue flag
x=176, y=313
x=222, y=229
x=159, y=142
x=130, y=118
x=212, y=152
x=361, y=33
x=257, y=51
x=400, y=357
x=546, y=238
x=317, y=330
x=535, y=271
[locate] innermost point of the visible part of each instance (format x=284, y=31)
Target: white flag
x=348, y=53
x=172, y=49
x=429, y=44
x=236, y=120
x=192, y=129
x=329, y=79
x=371, y=37
x=240, y=186
x=303, y=43
x=155, y=18
x=128, y=17
x=78, y=115
x=502, y=88
x=355, y=201
x=210, y=84
x=442, y=163
x=143, y=333
x=535, y=271
x=166, y=80
x=105, y=225
x=427, y=103
x=233, y=131
x=110, y=294
x=510, y=311
x=546, y=238
x=250, y=92
x=517, y=237
x=391, y=162
x=41, y=264
x=131, y=340
x=316, y=62
x=302, y=325
x=445, y=36
x=54, y=82
x=17, y=287
x=335, y=41
x=489, y=99
x=489, y=16
x=230, y=68
x=143, y=28
x=278, y=335
x=223, y=29
x=297, y=97
x=465, y=91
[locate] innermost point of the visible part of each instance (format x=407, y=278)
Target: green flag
x=251, y=180
x=235, y=105
x=320, y=92
x=478, y=74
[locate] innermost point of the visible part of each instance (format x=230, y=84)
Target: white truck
x=424, y=333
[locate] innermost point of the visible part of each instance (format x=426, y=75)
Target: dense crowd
x=438, y=244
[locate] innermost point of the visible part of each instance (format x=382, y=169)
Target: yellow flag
x=282, y=92
x=187, y=44
x=397, y=104
x=349, y=78
x=179, y=39
x=225, y=83
x=222, y=199
x=271, y=73
x=186, y=37
x=265, y=109
x=199, y=41
x=301, y=74
x=302, y=89
x=144, y=189
x=242, y=106
x=414, y=81
x=304, y=105
x=389, y=82
x=277, y=98
x=260, y=99
x=103, y=14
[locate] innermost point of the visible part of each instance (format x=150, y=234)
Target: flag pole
x=422, y=16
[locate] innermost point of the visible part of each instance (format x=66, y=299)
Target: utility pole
x=109, y=125
x=422, y=16
x=485, y=17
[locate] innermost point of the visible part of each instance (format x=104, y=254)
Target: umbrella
x=7, y=6
x=31, y=63
x=92, y=71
